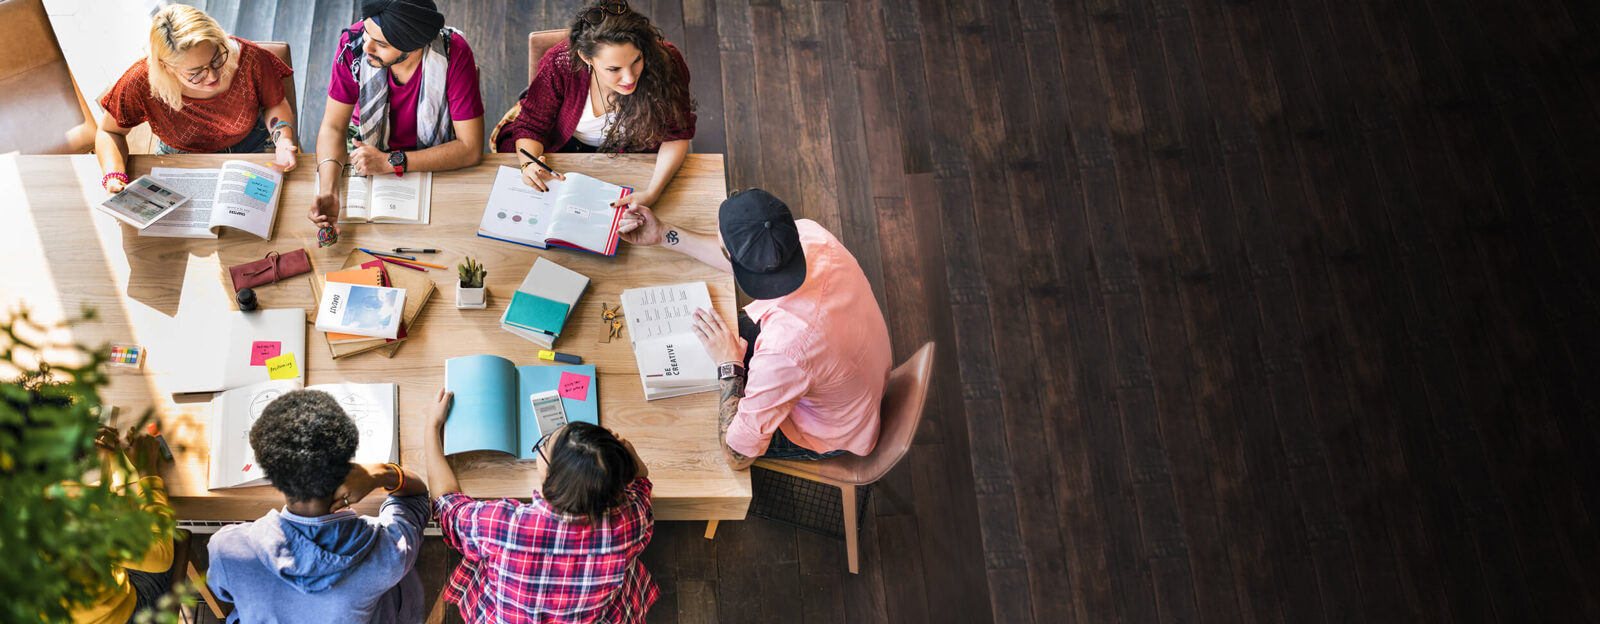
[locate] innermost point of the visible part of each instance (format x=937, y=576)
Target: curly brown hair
x=657, y=106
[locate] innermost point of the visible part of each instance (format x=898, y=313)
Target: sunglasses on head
x=595, y=16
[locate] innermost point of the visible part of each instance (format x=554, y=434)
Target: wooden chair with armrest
x=903, y=401
x=41, y=109
x=141, y=141
x=539, y=42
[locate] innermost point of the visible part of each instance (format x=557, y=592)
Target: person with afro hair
x=318, y=555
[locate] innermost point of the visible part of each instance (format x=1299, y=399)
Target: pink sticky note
x=573, y=386
x=263, y=350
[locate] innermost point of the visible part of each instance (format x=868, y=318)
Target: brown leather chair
x=539, y=42
x=140, y=141
x=902, y=413
x=41, y=109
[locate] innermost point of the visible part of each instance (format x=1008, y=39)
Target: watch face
x=397, y=158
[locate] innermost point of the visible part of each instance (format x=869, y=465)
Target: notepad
x=536, y=313
x=491, y=410
x=553, y=283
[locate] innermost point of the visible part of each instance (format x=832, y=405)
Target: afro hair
x=303, y=442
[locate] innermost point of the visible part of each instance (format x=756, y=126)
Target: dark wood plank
x=779, y=171
x=697, y=601
x=739, y=95
x=326, y=24
x=739, y=560
x=698, y=43
x=255, y=19
x=293, y=24
x=660, y=559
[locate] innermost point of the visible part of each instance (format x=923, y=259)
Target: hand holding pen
x=535, y=172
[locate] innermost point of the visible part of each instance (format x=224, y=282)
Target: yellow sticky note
x=282, y=367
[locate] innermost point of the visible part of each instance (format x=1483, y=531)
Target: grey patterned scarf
x=433, y=110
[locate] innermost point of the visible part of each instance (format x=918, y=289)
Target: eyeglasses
x=218, y=61
x=538, y=447
x=595, y=16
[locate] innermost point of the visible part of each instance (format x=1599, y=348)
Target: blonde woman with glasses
x=202, y=91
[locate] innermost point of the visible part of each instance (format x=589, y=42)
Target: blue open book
x=492, y=410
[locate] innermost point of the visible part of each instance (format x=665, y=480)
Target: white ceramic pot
x=471, y=298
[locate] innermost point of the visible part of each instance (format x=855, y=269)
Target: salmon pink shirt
x=822, y=360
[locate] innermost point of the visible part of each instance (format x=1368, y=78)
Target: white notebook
x=554, y=282
x=213, y=352
x=672, y=361
x=373, y=407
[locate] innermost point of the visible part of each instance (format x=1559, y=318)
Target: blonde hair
x=175, y=30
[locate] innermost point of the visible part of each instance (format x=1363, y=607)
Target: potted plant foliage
x=470, y=291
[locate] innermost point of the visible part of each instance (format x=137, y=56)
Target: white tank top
x=591, y=130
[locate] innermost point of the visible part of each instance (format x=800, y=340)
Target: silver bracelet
x=332, y=160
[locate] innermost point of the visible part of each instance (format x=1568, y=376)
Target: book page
x=516, y=212
x=233, y=462
x=193, y=219
x=664, y=310
x=247, y=198
x=143, y=201
x=372, y=408
x=582, y=215
x=483, y=411
x=357, y=203
x=398, y=199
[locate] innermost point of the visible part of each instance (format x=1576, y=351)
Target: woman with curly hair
x=613, y=86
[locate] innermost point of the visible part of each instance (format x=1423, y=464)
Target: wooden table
x=59, y=254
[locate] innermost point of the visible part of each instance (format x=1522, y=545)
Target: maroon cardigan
x=554, y=103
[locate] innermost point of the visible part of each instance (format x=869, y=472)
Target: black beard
x=382, y=65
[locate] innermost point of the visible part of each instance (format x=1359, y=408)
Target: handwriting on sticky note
x=263, y=350
x=282, y=367
x=259, y=188
x=573, y=386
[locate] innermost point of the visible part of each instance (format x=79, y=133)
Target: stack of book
x=363, y=269
x=672, y=361
x=540, y=306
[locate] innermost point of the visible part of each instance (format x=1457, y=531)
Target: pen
x=538, y=162
x=379, y=253
x=407, y=250
x=560, y=357
x=401, y=263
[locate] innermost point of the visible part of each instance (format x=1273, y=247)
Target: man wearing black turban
x=403, y=97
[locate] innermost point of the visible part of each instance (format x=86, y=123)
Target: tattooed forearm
x=728, y=407
x=672, y=237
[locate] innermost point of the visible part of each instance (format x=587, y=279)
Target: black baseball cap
x=763, y=244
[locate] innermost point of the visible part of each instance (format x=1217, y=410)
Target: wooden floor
x=1249, y=310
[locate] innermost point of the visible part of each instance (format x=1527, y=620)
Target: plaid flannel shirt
x=531, y=563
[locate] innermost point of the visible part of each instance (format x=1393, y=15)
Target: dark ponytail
x=662, y=100
x=589, y=471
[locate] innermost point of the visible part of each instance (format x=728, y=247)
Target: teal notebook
x=491, y=410
x=536, y=313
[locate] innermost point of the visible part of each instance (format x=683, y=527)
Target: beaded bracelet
x=401, y=483
x=115, y=174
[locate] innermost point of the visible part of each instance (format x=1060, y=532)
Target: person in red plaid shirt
x=571, y=555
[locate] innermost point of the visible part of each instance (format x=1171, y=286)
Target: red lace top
x=554, y=103
x=203, y=126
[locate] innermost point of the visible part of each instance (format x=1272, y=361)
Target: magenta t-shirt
x=460, y=88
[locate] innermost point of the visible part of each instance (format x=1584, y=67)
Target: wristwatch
x=729, y=370
x=397, y=158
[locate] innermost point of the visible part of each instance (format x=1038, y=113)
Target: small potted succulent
x=470, y=291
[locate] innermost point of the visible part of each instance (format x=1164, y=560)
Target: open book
x=492, y=410
x=142, y=202
x=212, y=351
x=672, y=362
x=240, y=195
x=385, y=198
x=575, y=214
x=373, y=407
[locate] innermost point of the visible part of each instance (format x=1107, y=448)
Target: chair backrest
x=903, y=401
x=540, y=42
x=281, y=50
x=41, y=109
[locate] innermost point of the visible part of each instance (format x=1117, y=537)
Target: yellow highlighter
x=560, y=357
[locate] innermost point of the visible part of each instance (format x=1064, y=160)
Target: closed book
x=536, y=313
x=365, y=277
x=419, y=289
x=372, y=311
x=550, y=282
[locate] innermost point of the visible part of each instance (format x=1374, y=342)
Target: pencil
x=538, y=162
x=402, y=263
x=426, y=264
x=391, y=255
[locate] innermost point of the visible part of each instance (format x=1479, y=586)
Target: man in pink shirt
x=804, y=374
